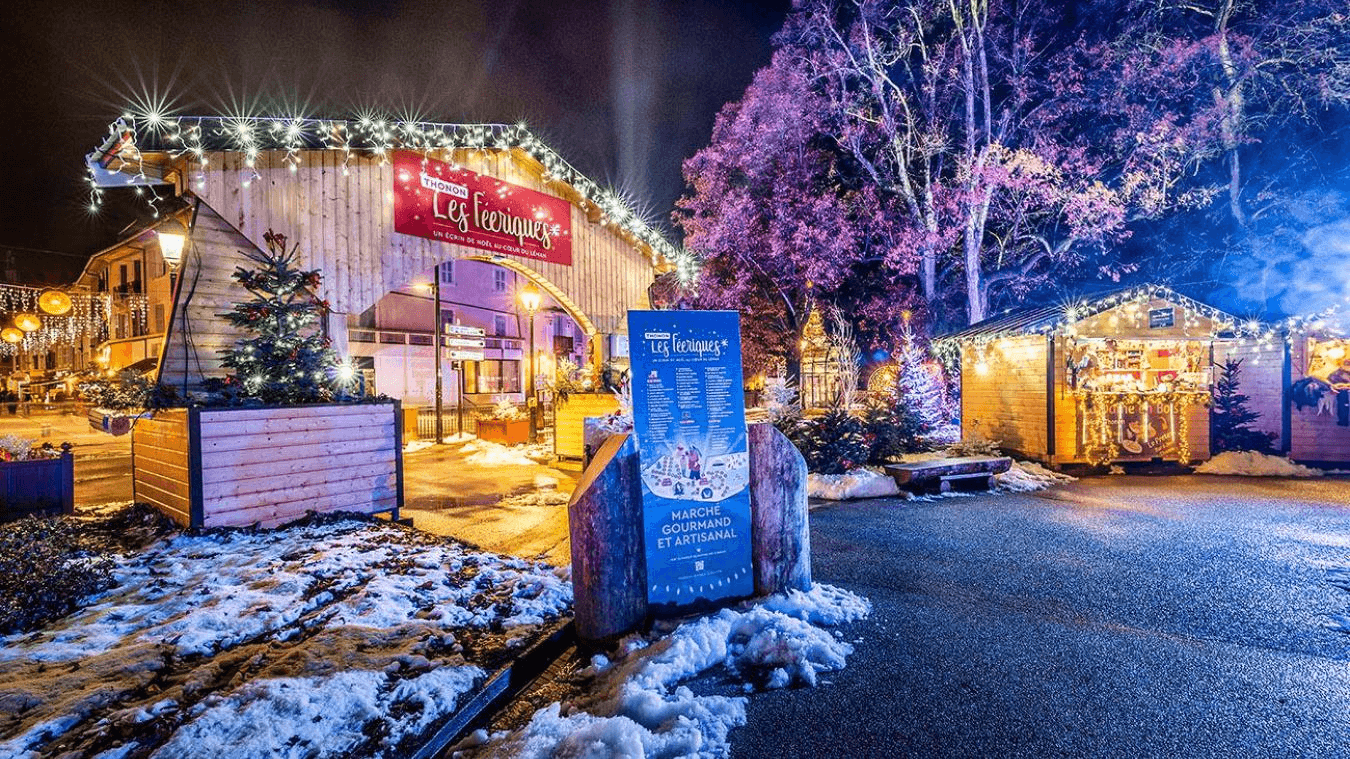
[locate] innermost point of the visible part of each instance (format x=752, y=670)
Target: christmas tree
x=833, y=443
x=919, y=387
x=1231, y=417
x=286, y=359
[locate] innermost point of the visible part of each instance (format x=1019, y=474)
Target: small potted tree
x=281, y=435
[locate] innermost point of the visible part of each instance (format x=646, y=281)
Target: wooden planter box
x=215, y=467
x=504, y=431
x=42, y=486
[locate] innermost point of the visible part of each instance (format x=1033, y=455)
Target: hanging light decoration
x=27, y=322
x=11, y=335
x=54, y=302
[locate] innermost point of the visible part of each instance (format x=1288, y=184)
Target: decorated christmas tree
x=1231, y=417
x=919, y=386
x=286, y=359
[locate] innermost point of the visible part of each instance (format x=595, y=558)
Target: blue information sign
x=689, y=419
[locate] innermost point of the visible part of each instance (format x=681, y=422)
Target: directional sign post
x=462, y=343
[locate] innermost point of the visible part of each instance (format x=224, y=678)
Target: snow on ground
x=636, y=706
x=859, y=483
x=1253, y=464
x=488, y=453
x=1024, y=476
x=333, y=638
x=421, y=445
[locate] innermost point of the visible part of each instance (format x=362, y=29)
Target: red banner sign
x=435, y=200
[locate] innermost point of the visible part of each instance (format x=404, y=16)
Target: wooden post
x=781, y=533
x=609, y=569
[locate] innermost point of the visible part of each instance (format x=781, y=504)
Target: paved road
x=102, y=461
x=1113, y=617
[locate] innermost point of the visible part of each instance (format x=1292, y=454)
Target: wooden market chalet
x=1127, y=375
x=377, y=207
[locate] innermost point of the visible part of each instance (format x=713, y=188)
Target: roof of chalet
x=118, y=161
x=1045, y=319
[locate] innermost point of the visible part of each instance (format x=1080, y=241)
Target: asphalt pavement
x=1112, y=617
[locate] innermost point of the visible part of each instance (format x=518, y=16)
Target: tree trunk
x=609, y=568
x=782, y=535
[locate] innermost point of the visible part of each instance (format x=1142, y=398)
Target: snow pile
x=1253, y=464
x=1026, y=476
x=317, y=716
x=421, y=445
x=418, y=445
x=859, y=483
x=488, y=453
x=317, y=635
x=636, y=706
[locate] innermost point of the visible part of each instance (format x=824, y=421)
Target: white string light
x=193, y=138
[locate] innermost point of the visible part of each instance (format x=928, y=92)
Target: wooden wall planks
x=345, y=226
x=1005, y=400
x=160, y=452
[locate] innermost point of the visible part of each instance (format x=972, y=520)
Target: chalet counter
x=216, y=467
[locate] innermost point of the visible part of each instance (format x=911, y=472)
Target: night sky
x=625, y=90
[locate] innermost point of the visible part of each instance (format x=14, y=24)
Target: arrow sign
x=459, y=355
x=465, y=342
x=459, y=329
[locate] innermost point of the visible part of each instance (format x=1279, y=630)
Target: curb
x=500, y=688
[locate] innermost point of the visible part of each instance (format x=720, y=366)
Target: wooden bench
x=945, y=475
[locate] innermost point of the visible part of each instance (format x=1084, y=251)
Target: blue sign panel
x=689, y=419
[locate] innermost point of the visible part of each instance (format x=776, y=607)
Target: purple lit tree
x=782, y=227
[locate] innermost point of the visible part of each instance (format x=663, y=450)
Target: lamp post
x=530, y=298
x=436, y=329
x=172, y=236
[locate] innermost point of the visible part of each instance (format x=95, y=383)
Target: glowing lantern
x=172, y=236
x=11, y=335
x=54, y=302
x=27, y=322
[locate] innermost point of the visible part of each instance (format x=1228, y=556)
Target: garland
x=1100, y=448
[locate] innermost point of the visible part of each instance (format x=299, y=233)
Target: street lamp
x=530, y=299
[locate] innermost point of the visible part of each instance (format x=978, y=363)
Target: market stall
x=1122, y=376
x=1318, y=406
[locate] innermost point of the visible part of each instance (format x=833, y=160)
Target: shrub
x=895, y=428
x=833, y=443
x=45, y=572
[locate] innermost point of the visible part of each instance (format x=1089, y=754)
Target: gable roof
x=119, y=160
x=1046, y=319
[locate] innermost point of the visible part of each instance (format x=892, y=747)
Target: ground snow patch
x=637, y=707
x=1253, y=464
x=859, y=483
x=1025, y=476
x=331, y=626
x=488, y=453
x=316, y=716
